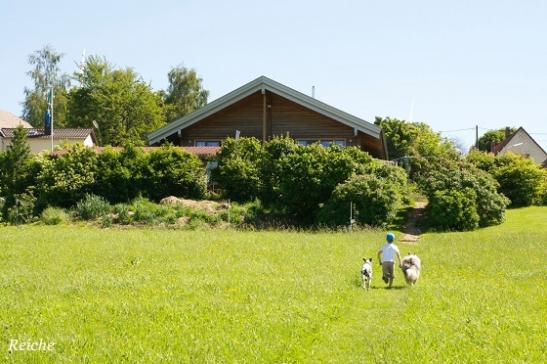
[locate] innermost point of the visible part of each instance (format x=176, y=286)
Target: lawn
x=138, y=295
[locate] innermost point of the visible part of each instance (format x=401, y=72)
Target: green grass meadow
x=214, y=296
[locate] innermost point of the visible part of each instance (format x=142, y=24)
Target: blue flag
x=48, y=116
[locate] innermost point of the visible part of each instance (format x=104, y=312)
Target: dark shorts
x=387, y=269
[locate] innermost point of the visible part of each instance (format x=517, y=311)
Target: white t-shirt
x=388, y=252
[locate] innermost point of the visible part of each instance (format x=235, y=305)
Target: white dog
x=411, y=266
x=366, y=272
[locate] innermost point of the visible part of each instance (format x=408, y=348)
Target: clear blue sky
x=460, y=63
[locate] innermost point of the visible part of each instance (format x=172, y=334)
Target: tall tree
x=184, y=94
x=46, y=73
x=419, y=142
x=123, y=105
x=414, y=139
x=491, y=138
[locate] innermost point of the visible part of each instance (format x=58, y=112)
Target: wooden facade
x=282, y=117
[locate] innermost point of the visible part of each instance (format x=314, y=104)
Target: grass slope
x=224, y=296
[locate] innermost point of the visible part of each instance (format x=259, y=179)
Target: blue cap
x=390, y=237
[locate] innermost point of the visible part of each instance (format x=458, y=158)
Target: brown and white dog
x=411, y=266
x=366, y=272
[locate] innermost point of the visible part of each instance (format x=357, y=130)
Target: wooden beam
x=264, y=130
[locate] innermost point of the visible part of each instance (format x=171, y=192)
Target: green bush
x=376, y=201
x=92, y=207
x=270, y=171
x=171, y=171
x=309, y=176
x=482, y=160
x=22, y=210
x=238, y=171
x=122, y=213
x=119, y=174
x=148, y=212
x=15, y=167
x=452, y=210
x=450, y=176
x=491, y=205
x=53, y=216
x=521, y=180
x=291, y=180
x=63, y=180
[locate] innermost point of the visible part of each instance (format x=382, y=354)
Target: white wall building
x=39, y=142
x=520, y=142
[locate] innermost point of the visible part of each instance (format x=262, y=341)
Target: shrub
x=452, y=210
x=171, y=171
x=270, y=171
x=491, y=205
x=92, y=207
x=482, y=160
x=15, y=168
x=375, y=201
x=65, y=179
x=53, y=216
x=148, y=212
x=416, y=140
x=22, y=210
x=119, y=174
x=122, y=214
x=308, y=176
x=521, y=180
x=238, y=171
x=448, y=176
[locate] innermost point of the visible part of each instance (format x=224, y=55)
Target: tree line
x=117, y=99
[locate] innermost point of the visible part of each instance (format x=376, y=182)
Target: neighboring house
x=264, y=108
x=8, y=120
x=39, y=142
x=520, y=142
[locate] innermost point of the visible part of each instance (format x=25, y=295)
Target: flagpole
x=51, y=107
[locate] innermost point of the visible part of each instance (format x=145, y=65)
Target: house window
x=324, y=142
x=207, y=143
x=305, y=142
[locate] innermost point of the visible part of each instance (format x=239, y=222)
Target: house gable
x=262, y=85
x=520, y=142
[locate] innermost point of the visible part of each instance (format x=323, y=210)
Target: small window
x=305, y=142
x=324, y=142
x=207, y=143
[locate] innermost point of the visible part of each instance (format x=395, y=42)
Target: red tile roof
x=198, y=151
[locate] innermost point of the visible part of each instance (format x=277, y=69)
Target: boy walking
x=386, y=257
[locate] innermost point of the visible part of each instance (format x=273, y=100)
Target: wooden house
x=264, y=108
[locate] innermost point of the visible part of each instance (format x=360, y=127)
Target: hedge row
x=520, y=179
x=116, y=175
x=312, y=184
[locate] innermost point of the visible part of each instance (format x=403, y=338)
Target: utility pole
x=476, y=136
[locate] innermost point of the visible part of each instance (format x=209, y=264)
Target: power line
x=452, y=131
x=483, y=128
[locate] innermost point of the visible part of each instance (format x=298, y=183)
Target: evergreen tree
x=15, y=170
